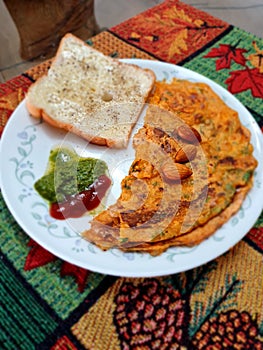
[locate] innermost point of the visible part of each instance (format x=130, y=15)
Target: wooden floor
x=246, y=15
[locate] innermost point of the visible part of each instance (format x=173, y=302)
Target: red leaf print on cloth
x=78, y=273
x=37, y=256
x=256, y=236
x=63, y=344
x=226, y=54
x=245, y=79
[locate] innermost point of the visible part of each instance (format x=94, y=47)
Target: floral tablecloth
x=47, y=303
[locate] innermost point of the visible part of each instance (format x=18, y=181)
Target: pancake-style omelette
x=193, y=167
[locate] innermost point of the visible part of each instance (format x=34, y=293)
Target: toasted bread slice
x=90, y=94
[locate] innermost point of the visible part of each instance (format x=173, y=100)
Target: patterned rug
x=47, y=303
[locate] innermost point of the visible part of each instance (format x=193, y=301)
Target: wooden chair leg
x=41, y=24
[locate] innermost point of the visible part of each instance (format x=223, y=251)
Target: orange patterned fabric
x=171, y=31
x=37, y=71
x=11, y=94
x=115, y=47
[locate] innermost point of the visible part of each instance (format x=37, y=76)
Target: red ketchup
x=77, y=204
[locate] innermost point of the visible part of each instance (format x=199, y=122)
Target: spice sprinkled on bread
x=92, y=95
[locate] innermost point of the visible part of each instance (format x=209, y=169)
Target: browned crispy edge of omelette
x=192, y=238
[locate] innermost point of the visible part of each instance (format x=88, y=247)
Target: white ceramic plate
x=25, y=148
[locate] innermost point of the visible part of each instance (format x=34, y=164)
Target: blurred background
x=20, y=24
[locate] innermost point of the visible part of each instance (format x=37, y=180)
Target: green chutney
x=68, y=174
